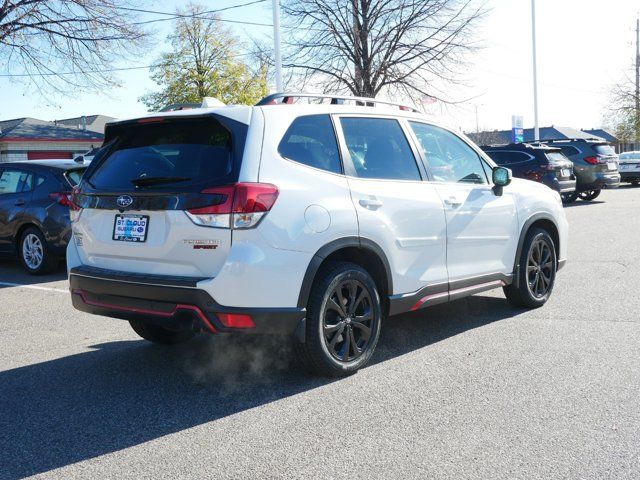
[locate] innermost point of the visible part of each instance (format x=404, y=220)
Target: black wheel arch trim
x=332, y=247
x=523, y=235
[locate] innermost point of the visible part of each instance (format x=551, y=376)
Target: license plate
x=130, y=228
x=611, y=165
x=565, y=172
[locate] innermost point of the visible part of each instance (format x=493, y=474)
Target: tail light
x=535, y=176
x=243, y=205
x=591, y=160
x=64, y=198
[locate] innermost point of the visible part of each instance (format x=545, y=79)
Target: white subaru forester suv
x=316, y=221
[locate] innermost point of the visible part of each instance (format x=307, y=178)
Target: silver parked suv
x=595, y=165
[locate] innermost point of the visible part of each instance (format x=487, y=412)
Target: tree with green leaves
x=205, y=61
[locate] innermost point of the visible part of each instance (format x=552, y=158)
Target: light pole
x=276, y=44
x=536, y=129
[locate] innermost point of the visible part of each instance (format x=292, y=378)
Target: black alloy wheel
x=540, y=267
x=589, y=195
x=343, y=322
x=347, y=320
x=536, y=272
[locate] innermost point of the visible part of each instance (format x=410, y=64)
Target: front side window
x=15, y=181
x=379, y=149
x=310, y=140
x=449, y=158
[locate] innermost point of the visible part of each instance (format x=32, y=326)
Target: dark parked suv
x=595, y=164
x=537, y=162
x=34, y=210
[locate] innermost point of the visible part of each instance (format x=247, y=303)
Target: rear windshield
x=74, y=176
x=603, y=149
x=557, y=157
x=174, y=155
x=630, y=156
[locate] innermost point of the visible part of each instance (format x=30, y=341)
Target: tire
x=341, y=294
x=589, y=195
x=35, y=256
x=161, y=335
x=635, y=183
x=569, y=197
x=534, y=286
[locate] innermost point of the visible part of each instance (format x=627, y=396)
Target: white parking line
x=33, y=287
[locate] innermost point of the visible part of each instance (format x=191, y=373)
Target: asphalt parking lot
x=473, y=389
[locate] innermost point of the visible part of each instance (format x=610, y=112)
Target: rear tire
x=344, y=317
x=158, y=334
x=537, y=272
x=589, y=195
x=35, y=256
x=569, y=197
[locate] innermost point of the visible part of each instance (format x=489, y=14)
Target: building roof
x=27, y=128
x=94, y=123
x=608, y=135
x=546, y=133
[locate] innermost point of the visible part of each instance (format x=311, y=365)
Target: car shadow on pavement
x=121, y=394
x=11, y=271
x=582, y=203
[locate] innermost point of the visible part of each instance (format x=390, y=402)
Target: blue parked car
x=537, y=162
x=35, y=202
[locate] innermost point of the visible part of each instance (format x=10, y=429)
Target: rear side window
x=15, y=181
x=508, y=158
x=310, y=140
x=557, y=157
x=568, y=150
x=603, y=149
x=379, y=149
x=174, y=155
x=74, y=176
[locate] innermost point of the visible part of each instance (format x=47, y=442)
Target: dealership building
x=33, y=139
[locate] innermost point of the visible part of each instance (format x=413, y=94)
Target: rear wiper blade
x=143, y=181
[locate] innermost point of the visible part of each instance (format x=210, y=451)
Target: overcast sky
x=584, y=46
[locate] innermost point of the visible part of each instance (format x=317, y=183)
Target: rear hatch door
x=136, y=195
x=561, y=165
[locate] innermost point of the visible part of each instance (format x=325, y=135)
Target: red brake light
x=65, y=199
x=254, y=197
x=591, y=160
x=151, y=120
x=242, y=205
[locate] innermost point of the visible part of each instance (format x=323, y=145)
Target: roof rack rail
x=288, y=98
x=593, y=139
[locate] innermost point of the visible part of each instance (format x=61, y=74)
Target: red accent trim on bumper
x=158, y=313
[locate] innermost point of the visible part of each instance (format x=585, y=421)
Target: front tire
x=537, y=272
x=569, y=197
x=159, y=334
x=35, y=256
x=344, y=317
x=589, y=195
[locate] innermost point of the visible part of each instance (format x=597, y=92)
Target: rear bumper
x=630, y=176
x=610, y=180
x=169, y=301
x=560, y=186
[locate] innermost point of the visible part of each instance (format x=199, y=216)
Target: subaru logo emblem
x=124, y=201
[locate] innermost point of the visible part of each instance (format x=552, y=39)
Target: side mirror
x=501, y=177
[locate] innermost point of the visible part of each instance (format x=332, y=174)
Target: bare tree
x=66, y=45
x=624, y=111
x=367, y=46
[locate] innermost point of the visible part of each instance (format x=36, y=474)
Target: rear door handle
x=370, y=202
x=452, y=202
x=19, y=203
